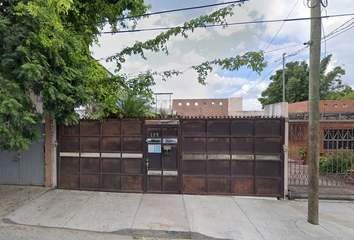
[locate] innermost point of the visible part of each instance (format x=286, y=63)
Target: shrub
x=337, y=162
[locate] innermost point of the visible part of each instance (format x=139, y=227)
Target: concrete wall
x=235, y=106
x=276, y=110
x=200, y=107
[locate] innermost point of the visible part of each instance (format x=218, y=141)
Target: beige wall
x=235, y=106
x=200, y=107
x=247, y=113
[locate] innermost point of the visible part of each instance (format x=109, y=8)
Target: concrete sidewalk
x=184, y=216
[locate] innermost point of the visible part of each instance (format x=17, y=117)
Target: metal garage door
x=105, y=156
x=25, y=167
x=237, y=156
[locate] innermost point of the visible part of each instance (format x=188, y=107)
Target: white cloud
x=211, y=43
x=193, y=58
x=241, y=46
x=200, y=34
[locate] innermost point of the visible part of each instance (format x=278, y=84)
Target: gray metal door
x=25, y=167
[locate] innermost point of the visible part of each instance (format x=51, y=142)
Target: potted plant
x=302, y=153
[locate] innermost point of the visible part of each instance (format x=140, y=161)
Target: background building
x=207, y=107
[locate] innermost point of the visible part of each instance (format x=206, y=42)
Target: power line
x=339, y=30
x=163, y=12
x=277, y=49
x=230, y=24
x=281, y=26
x=336, y=32
x=260, y=81
x=240, y=88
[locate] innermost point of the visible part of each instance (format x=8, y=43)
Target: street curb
x=150, y=233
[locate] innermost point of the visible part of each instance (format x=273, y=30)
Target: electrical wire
x=324, y=38
x=281, y=26
x=277, y=49
x=324, y=3
x=163, y=12
x=231, y=24
x=259, y=81
x=339, y=30
x=336, y=32
x=267, y=47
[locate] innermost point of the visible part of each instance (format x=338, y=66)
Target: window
x=338, y=139
x=179, y=104
x=345, y=105
x=196, y=104
x=325, y=105
x=220, y=103
x=335, y=105
x=188, y=104
x=204, y=103
x=212, y=104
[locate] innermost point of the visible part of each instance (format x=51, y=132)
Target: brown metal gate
x=234, y=156
x=105, y=156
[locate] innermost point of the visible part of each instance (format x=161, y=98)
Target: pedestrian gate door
x=162, y=156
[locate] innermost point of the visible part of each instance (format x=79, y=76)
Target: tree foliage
x=297, y=83
x=45, y=51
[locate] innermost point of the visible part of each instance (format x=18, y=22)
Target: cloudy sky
x=212, y=43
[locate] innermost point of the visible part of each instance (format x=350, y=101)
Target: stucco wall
x=200, y=107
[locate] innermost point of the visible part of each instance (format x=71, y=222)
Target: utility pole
x=314, y=146
x=284, y=77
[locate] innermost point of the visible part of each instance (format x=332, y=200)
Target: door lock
x=147, y=164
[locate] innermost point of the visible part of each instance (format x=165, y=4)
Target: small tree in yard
x=45, y=49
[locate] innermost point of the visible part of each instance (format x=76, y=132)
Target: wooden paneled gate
x=233, y=156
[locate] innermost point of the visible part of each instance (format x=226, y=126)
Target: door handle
x=147, y=164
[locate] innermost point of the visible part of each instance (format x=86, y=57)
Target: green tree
x=45, y=50
x=297, y=83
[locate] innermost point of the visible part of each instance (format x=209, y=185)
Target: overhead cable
x=230, y=24
x=163, y=12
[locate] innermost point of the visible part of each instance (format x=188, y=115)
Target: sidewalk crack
x=79, y=210
x=247, y=218
x=131, y=227
x=185, y=208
